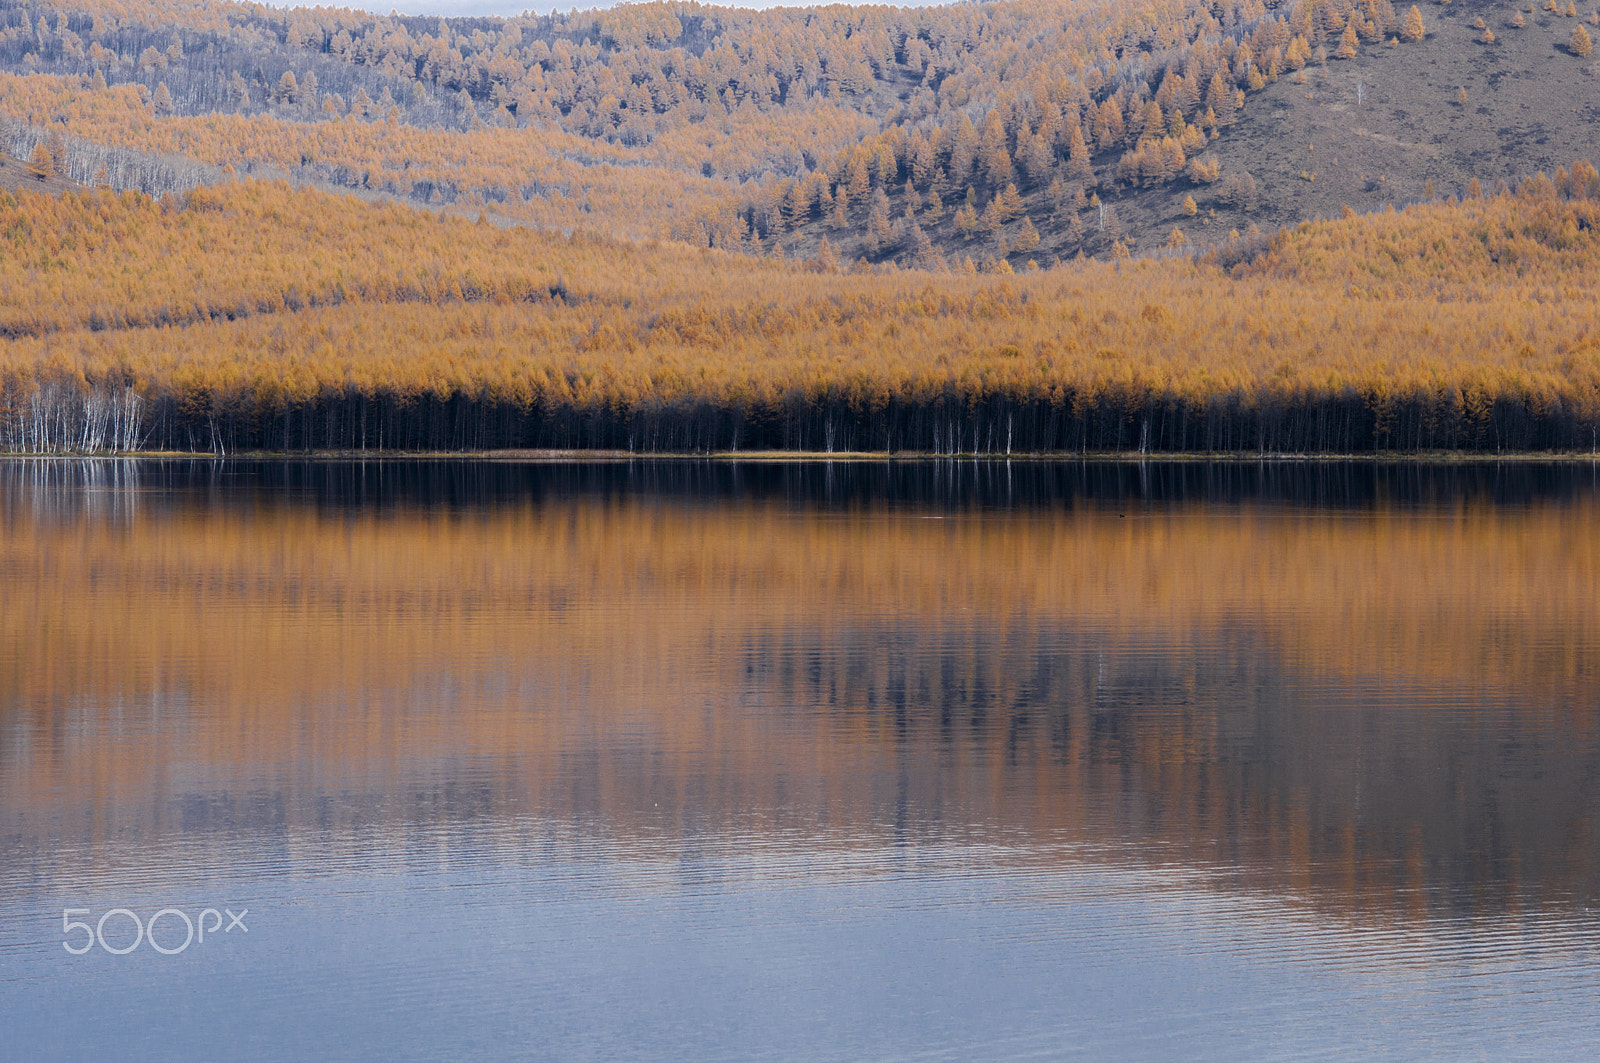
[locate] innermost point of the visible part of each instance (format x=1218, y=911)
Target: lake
x=718, y=760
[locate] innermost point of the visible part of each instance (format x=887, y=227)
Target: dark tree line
x=1339, y=424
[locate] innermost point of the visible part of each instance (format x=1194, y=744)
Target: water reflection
x=1373, y=684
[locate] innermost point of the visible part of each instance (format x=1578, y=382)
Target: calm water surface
x=800, y=761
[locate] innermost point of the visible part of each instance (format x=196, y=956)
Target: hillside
x=1531, y=106
x=678, y=227
x=16, y=175
x=754, y=130
x=1385, y=127
x=254, y=316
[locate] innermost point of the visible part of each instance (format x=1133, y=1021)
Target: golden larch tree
x=40, y=164
x=1349, y=44
x=1413, y=29
x=1027, y=237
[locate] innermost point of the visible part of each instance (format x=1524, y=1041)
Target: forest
x=254, y=316
x=1015, y=227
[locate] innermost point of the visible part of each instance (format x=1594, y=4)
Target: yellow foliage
x=253, y=298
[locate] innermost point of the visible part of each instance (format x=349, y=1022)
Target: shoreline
x=1432, y=457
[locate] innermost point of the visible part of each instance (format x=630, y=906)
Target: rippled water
x=679, y=760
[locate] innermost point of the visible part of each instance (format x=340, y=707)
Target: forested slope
x=256, y=316
x=1023, y=225
x=1016, y=130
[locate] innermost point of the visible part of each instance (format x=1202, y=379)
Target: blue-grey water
x=853, y=761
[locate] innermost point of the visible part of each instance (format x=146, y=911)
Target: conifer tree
x=1151, y=122
x=1412, y=29
x=966, y=221
x=923, y=253
x=878, y=225
x=1176, y=125
x=1078, y=164
x=1580, y=45
x=827, y=259
x=40, y=164
x=840, y=218
x=1349, y=43
x=924, y=158
x=1008, y=203
x=913, y=199
x=1108, y=125
x=1298, y=54
x=994, y=157
x=1219, y=100
x=858, y=175
x=57, y=146
x=964, y=151
x=1173, y=160
x=1027, y=237
x=1036, y=158
x=991, y=221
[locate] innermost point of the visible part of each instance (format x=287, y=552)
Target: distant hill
x=1390, y=127
x=701, y=122
x=1397, y=123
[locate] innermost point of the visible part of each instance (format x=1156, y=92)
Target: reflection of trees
x=1387, y=700
x=1213, y=750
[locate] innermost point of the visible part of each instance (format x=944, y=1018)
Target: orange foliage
x=293, y=297
x=596, y=626
x=633, y=120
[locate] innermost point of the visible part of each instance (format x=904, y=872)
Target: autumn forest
x=1017, y=227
